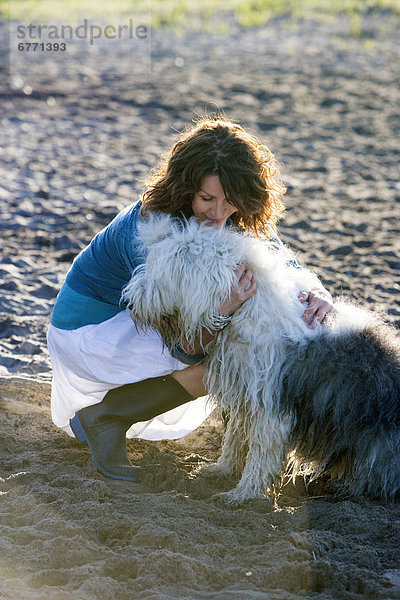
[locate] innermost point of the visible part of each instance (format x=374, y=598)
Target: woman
x=107, y=376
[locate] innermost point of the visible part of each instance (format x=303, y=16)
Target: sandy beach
x=74, y=151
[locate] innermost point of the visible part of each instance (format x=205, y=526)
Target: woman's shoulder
x=131, y=211
x=125, y=220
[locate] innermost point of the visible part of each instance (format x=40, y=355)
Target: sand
x=73, y=152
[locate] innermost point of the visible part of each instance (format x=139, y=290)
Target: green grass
x=184, y=14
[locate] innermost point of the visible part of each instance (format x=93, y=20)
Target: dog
x=322, y=401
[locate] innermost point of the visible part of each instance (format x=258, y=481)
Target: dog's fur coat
x=319, y=401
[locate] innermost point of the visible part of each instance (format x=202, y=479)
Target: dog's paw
x=214, y=469
x=238, y=496
x=232, y=498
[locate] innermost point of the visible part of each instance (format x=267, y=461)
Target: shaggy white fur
x=289, y=390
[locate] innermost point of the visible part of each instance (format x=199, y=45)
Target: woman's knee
x=192, y=379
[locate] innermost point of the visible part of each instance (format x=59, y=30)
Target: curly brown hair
x=246, y=168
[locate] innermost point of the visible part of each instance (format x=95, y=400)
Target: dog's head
x=188, y=272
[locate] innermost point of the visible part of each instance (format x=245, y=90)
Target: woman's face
x=209, y=203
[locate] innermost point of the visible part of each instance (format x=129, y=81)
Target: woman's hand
x=320, y=305
x=244, y=288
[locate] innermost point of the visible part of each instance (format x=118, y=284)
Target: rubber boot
x=104, y=425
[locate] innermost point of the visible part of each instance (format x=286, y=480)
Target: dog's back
x=343, y=391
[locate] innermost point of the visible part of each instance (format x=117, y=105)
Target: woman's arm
x=320, y=302
x=243, y=288
x=320, y=305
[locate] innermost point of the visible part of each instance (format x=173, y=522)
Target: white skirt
x=89, y=361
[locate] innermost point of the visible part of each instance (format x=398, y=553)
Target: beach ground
x=74, y=151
